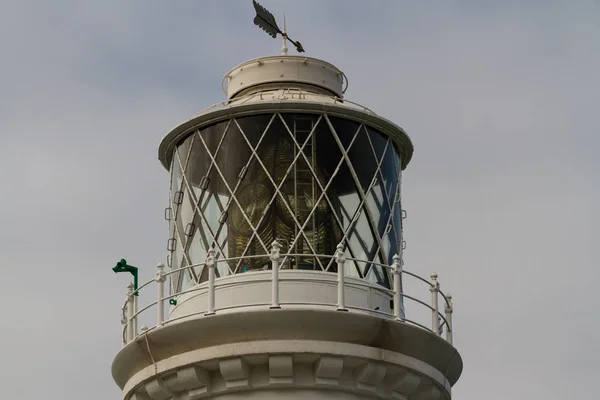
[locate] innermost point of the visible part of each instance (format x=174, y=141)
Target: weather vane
x=265, y=20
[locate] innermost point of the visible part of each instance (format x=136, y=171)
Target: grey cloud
x=501, y=105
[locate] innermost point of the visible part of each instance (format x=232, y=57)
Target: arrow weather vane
x=265, y=20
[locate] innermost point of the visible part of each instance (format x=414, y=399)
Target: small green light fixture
x=122, y=266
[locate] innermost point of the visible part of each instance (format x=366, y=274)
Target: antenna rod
x=284, y=49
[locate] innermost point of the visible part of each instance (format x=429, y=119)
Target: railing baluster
x=276, y=247
x=129, y=318
x=397, y=270
x=124, y=316
x=130, y=313
x=160, y=294
x=124, y=324
x=210, y=263
x=449, y=310
x=340, y=258
x=134, y=315
x=435, y=319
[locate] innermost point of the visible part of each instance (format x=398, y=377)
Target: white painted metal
x=298, y=288
x=284, y=49
x=278, y=334
x=435, y=315
x=130, y=313
x=286, y=100
x=275, y=248
x=449, y=309
x=160, y=294
x=308, y=72
x=251, y=293
x=134, y=314
x=125, y=320
x=210, y=263
x=397, y=271
x=340, y=258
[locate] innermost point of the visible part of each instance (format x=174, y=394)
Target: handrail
x=416, y=276
x=290, y=90
x=441, y=321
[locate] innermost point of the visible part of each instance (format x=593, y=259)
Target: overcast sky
x=502, y=103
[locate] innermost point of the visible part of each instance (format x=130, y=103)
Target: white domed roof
x=285, y=71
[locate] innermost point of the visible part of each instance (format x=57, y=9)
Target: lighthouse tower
x=284, y=277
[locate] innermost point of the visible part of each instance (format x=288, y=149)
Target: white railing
x=440, y=322
x=283, y=94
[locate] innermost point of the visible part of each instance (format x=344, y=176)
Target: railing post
x=340, y=258
x=210, y=263
x=435, y=318
x=449, y=310
x=124, y=324
x=275, y=249
x=124, y=316
x=130, y=313
x=397, y=270
x=160, y=294
x=134, y=315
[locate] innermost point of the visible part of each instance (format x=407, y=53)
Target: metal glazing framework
x=307, y=180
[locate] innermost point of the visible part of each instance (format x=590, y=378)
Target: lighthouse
x=284, y=276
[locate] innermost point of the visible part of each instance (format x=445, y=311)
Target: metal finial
x=284, y=49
